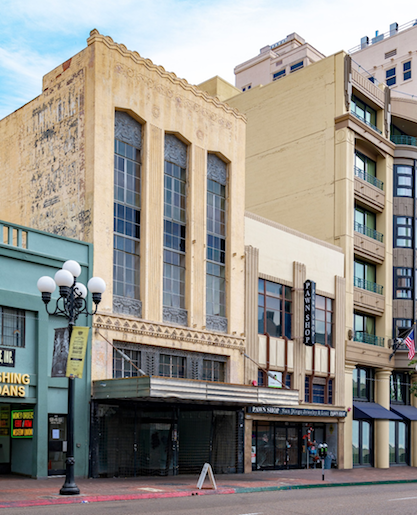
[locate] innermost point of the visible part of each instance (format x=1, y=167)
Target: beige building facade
x=279, y=262
x=319, y=160
x=275, y=62
x=389, y=58
x=120, y=153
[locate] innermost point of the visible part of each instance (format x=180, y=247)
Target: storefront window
x=397, y=442
x=361, y=442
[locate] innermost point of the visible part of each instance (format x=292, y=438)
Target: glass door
x=287, y=446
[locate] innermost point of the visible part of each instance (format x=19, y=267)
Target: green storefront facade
x=33, y=405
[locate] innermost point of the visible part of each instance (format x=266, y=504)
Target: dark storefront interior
x=285, y=445
x=133, y=439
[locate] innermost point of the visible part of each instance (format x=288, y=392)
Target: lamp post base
x=69, y=489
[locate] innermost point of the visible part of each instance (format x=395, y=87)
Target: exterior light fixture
x=71, y=303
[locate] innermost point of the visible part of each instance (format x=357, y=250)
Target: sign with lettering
x=299, y=412
x=309, y=313
x=76, y=354
x=22, y=423
x=7, y=357
x=13, y=384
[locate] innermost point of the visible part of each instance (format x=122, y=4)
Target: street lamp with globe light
x=71, y=303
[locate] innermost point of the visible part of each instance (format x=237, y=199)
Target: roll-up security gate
x=132, y=440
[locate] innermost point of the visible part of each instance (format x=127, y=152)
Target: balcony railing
x=369, y=124
x=361, y=336
x=404, y=140
x=368, y=285
x=369, y=178
x=375, y=235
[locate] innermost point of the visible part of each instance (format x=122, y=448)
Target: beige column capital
x=383, y=374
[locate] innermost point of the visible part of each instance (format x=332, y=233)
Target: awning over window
x=405, y=412
x=372, y=410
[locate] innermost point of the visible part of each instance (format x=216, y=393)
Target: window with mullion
x=324, y=320
x=216, y=249
x=362, y=380
x=124, y=368
x=274, y=309
x=318, y=390
x=364, y=164
x=365, y=275
x=364, y=328
x=403, y=231
x=400, y=388
x=171, y=366
x=126, y=244
x=390, y=76
x=403, y=181
x=407, y=70
x=174, y=236
x=403, y=283
x=364, y=112
x=213, y=370
x=12, y=327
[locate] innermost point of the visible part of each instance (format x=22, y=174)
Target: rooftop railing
x=368, y=178
x=368, y=285
x=372, y=233
x=13, y=235
x=380, y=37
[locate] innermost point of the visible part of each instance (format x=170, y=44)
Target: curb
x=244, y=490
x=162, y=495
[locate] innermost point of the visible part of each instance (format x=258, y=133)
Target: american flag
x=409, y=341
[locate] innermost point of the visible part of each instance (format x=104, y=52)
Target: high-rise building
x=388, y=58
x=319, y=159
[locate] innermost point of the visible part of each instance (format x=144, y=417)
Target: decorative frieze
x=216, y=169
x=175, y=316
x=216, y=323
x=175, y=151
x=126, y=306
x=125, y=325
x=180, y=101
x=127, y=129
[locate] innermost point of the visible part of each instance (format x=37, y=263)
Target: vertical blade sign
x=309, y=312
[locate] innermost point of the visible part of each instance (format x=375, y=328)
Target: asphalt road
x=399, y=499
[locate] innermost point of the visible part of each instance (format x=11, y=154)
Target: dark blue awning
x=372, y=410
x=405, y=412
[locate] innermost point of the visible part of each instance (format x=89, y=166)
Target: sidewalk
x=16, y=491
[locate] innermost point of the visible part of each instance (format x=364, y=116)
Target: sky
x=196, y=39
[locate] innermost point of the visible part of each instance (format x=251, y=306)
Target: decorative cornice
x=124, y=324
x=96, y=37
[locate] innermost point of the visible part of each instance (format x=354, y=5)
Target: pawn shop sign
x=76, y=354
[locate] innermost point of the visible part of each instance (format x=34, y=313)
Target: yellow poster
x=76, y=354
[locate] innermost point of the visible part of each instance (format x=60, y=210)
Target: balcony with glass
x=364, y=330
x=367, y=294
x=371, y=233
x=364, y=277
x=364, y=113
x=365, y=169
x=402, y=139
